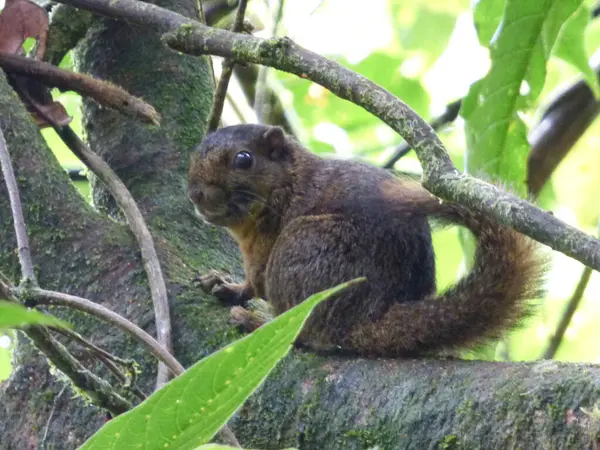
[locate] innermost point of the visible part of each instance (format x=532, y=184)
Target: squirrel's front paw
x=229, y=293
x=211, y=279
x=221, y=286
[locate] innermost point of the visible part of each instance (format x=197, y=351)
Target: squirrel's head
x=236, y=171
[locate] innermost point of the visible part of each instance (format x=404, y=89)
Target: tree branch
x=140, y=230
x=440, y=176
x=339, y=403
x=569, y=312
x=564, y=121
x=45, y=297
x=99, y=390
x=104, y=93
x=111, y=361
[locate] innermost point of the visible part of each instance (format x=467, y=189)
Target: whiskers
x=253, y=197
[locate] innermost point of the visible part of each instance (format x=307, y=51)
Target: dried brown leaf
x=22, y=19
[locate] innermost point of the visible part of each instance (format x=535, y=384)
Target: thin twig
x=60, y=393
x=75, y=336
x=99, y=390
x=140, y=230
x=567, y=316
x=108, y=359
x=226, y=72
x=127, y=382
x=27, y=272
x=569, y=312
x=261, y=96
x=45, y=297
x=448, y=116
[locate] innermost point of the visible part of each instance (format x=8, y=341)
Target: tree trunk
x=308, y=402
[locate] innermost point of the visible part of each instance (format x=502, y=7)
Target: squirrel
x=305, y=224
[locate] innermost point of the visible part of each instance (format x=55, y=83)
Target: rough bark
x=309, y=402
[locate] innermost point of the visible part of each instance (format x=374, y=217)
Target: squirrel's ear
x=275, y=143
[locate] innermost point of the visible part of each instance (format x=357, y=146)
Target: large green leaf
x=496, y=136
x=189, y=410
x=13, y=315
x=487, y=15
x=570, y=46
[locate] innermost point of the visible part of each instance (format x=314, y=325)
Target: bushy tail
x=508, y=270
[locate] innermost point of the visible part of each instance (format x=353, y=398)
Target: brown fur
x=309, y=224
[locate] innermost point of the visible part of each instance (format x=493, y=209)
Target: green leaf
x=13, y=315
x=570, y=46
x=487, y=15
x=496, y=136
x=189, y=410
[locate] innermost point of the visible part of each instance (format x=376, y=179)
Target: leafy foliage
x=520, y=47
x=189, y=410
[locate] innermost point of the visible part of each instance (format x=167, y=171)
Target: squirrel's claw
x=210, y=280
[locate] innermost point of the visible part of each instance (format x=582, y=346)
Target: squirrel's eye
x=243, y=160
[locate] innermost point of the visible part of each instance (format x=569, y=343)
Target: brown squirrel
x=305, y=224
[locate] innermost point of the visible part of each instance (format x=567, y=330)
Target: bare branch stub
x=226, y=72
x=262, y=102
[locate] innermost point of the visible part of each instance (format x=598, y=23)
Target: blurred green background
x=427, y=53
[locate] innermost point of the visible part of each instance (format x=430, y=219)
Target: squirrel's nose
x=213, y=195
x=195, y=195
x=207, y=195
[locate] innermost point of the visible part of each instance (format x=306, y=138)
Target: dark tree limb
x=440, y=176
x=110, y=361
x=564, y=121
x=97, y=389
